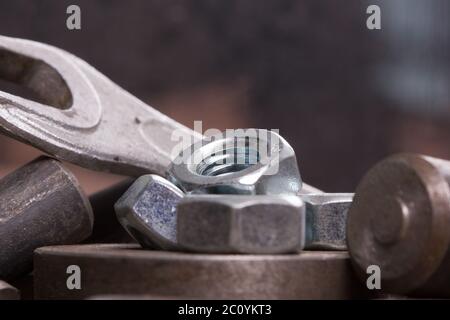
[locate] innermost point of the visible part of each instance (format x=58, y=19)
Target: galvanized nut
x=326, y=216
x=147, y=210
x=236, y=165
x=259, y=224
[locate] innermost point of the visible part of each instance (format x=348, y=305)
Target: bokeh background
x=342, y=95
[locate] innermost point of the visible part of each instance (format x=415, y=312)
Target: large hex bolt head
x=241, y=224
x=147, y=211
x=326, y=216
x=249, y=161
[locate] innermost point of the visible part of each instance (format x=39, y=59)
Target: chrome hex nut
x=326, y=218
x=147, y=211
x=246, y=161
x=259, y=224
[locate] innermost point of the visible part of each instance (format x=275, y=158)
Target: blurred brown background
x=342, y=95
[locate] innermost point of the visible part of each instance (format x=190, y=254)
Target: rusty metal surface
x=8, y=292
x=400, y=221
x=41, y=204
x=106, y=227
x=127, y=270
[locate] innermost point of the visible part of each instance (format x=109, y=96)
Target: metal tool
x=106, y=227
x=40, y=204
x=400, y=222
x=148, y=211
x=126, y=270
x=8, y=292
x=259, y=224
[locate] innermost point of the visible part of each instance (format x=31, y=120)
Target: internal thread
x=228, y=161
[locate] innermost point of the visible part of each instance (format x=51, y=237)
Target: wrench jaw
x=70, y=99
x=93, y=122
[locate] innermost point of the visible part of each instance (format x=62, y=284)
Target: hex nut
x=147, y=211
x=326, y=216
x=208, y=166
x=260, y=224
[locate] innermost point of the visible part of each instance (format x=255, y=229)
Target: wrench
x=96, y=124
x=102, y=127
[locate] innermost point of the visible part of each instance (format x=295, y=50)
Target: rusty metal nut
x=259, y=224
x=147, y=210
x=238, y=164
x=326, y=216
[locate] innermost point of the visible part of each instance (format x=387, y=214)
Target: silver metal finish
x=203, y=167
x=8, y=292
x=307, y=189
x=147, y=211
x=241, y=224
x=326, y=216
x=93, y=122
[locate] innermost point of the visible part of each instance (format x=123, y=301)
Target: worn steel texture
x=107, y=228
x=127, y=270
x=400, y=221
x=8, y=292
x=259, y=224
x=148, y=211
x=326, y=217
x=41, y=204
x=84, y=118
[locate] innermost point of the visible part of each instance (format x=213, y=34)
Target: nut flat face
x=236, y=165
x=127, y=270
x=241, y=224
x=326, y=216
x=147, y=211
x=400, y=221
